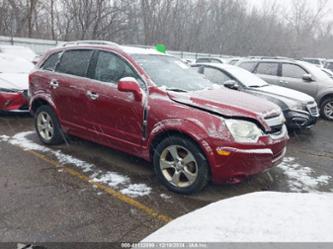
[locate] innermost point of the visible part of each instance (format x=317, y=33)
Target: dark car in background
x=298, y=75
x=300, y=110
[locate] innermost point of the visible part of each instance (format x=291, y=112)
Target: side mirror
x=307, y=77
x=231, y=84
x=129, y=84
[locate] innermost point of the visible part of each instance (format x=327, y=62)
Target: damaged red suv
x=153, y=106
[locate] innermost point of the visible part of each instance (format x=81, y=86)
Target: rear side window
x=216, y=76
x=249, y=66
x=111, y=68
x=51, y=62
x=267, y=68
x=329, y=65
x=75, y=62
x=292, y=71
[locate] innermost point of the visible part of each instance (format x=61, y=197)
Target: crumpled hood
x=18, y=81
x=228, y=103
x=286, y=94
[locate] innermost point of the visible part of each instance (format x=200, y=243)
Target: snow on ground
x=256, y=217
x=300, y=178
x=110, y=178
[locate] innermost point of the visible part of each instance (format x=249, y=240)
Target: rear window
x=249, y=66
x=51, y=62
x=75, y=62
x=267, y=68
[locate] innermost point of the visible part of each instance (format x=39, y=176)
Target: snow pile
x=136, y=190
x=300, y=178
x=4, y=138
x=112, y=179
x=257, y=217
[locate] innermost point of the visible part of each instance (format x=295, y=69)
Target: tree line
x=211, y=26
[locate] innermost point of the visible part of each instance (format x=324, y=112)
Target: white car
x=14, y=83
x=18, y=51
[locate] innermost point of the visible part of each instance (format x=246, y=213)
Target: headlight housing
x=243, y=131
x=297, y=107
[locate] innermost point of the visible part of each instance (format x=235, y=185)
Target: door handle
x=283, y=82
x=92, y=95
x=54, y=84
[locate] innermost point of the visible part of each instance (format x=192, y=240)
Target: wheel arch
x=39, y=101
x=197, y=136
x=324, y=97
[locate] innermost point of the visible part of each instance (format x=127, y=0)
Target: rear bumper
x=245, y=161
x=14, y=101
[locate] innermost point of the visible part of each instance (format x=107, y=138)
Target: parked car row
x=297, y=75
x=300, y=110
x=209, y=122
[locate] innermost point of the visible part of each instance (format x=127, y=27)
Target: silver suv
x=298, y=75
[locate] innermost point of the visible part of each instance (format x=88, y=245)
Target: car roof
x=217, y=65
x=140, y=50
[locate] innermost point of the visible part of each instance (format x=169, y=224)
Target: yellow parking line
x=114, y=193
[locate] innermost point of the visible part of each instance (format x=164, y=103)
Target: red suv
x=154, y=106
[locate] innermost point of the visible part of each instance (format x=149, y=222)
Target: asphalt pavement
x=45, y=198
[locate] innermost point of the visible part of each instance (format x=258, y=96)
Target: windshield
x=246, y=78
x=172, y=73
x=10, y=64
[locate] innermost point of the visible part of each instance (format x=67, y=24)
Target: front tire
x=180, y=165
x=326, y=109
x=48, y=127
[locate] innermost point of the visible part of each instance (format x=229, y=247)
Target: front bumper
x=247, y=160
x=301, y=119
x=14, y=101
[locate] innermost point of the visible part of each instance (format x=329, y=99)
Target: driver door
x=292, y=77
x=116, y=118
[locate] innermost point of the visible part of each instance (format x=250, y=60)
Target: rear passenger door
x=292, y=77
x=268, y=71
x=68, y=87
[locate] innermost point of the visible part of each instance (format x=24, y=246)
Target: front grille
x=276, y=130
x=276, y=124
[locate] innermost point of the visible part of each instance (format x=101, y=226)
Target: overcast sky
x=287, y=4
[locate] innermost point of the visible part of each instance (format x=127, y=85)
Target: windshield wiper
x=177, y=90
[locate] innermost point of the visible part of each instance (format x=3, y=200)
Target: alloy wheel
x=178, y=166
x=45, y=126
x=328, y=110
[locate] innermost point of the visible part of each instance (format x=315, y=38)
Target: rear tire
x=180, y=165
x=48, y=127
x=326, y=109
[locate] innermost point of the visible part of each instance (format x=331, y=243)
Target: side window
x=216, y=76
x=249, y=66
x=111, y=68
x=75, y=62
x=292, y=71
x=268, y=68
x=51, y=61
x=203, y=60
x=215, y=61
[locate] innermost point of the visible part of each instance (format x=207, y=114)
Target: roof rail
x=89, y=42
